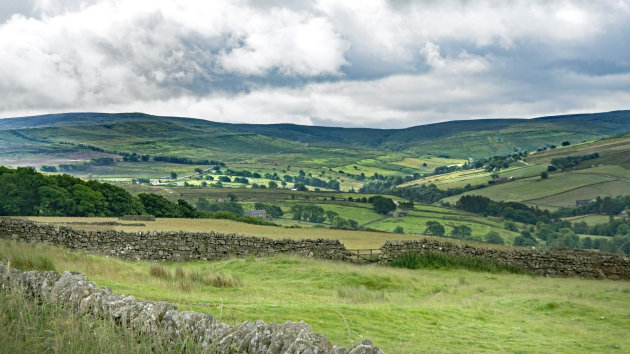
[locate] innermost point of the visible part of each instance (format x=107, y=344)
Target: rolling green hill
x=482, y=137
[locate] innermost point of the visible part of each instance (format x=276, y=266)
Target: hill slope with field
x=145, y=134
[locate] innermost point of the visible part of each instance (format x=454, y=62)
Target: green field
x=533, y=189
x=401, y=310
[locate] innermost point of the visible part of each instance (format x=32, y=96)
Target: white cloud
x=372, y=63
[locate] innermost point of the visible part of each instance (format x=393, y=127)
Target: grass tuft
x=360, y=294
x=159, y=271
x=432, y=260
x=179, y=273
x=219, y=280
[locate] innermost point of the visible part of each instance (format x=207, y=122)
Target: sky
x=368, y=63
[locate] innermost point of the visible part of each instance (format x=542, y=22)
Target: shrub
x=399, y=230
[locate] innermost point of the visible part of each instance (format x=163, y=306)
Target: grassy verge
x=402, y=310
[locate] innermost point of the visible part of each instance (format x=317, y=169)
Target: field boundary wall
x=187, y=246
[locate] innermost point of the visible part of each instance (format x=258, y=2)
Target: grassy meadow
x=402, y=310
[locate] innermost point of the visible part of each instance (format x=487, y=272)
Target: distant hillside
x=458, y=139
x=601, y=168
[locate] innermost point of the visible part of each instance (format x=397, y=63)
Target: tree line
x=27, y=192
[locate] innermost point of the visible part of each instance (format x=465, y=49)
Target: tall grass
x=26, y=327
x=188, y=280
x=24, y=259
x=433, y=260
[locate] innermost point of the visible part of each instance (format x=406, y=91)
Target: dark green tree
x=158, y=206
x=461, y=231
x=434, y=228
x=383, y=205
x=494, y=238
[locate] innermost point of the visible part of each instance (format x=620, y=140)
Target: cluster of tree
x=550, y=229
x=231, y=207
x=607, y=205
x=89, y=147
x=434, y=228
x=508, y=210
x=343, y=223
x=161, y=207
x=141, y=181
x=245, y=173
x=426, y=193
x=242, y=180
x=312, y=213
x=462, y=232
x=614, y=227
x=560, y=234
x=26, y=192
x=564, y=163
x=382, y=205
x=312, y=181
x=273, y=211
x=101, y=161
x=339, y=222
x=134, y=157
x=187, y=161
x=272, y=176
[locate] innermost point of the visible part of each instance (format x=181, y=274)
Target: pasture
x=402, y=311
x=534, y=189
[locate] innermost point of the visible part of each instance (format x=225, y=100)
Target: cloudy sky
x=342, y=63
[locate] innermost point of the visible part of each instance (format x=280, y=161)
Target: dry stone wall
x=170, y=246
x=185, y=246
x=72, y=291
x=553, y=263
